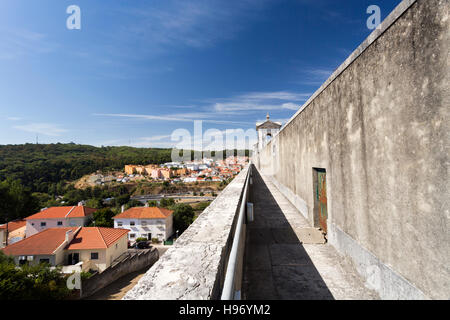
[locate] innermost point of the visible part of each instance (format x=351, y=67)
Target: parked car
x=143, y=245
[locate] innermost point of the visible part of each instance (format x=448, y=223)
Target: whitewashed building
x=58, y=217
x=146, y=222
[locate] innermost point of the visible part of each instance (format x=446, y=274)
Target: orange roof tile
x=14, y=225
x=144, y=213
x=63, y=212
x=42, y=243
x=95, y=238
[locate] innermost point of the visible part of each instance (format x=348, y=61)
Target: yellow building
x=81, y=247
x=180, y=172
x=166, y=173
x=130, y=169
x=149, y=168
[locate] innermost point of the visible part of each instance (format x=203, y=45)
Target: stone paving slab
x=287, y=259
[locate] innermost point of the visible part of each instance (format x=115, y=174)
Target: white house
x=58, y=217
x=77, y=248
x=12, y=231
x=146, y=222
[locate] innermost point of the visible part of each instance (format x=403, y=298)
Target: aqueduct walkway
x=278, y=264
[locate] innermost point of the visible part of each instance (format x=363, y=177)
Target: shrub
x=36, y=282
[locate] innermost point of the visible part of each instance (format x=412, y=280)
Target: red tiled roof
x=14, y=225
x=95, y=238
x=63, y=212
x=42, y=243
x=144, y=213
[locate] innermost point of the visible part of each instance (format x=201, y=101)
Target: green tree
x=183, y=216
x=37, y=282
x=16, y=201
x=103, y=218
x=133, y=203
x=166, y=202
x=94, y=203
x=152, y=203
x=122, y=199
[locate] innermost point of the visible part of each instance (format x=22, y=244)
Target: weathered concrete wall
x=380, y=128
x=194, y=267
x=135, y=262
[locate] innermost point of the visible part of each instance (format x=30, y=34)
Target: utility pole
x=37, y=138
x=7, y=234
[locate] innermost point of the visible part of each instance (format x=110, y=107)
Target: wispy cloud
x=20, y=42
x=13, y=118
x=186, y=117
x=313, y=76
x=261, y=101
x=48, y=129
x=227, y=110
x=196, y=24
x=211, y=139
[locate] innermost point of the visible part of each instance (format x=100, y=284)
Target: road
x=149, y=197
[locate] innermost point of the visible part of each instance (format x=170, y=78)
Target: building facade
x=146, y=222
x=365, y=158
x=89, y=248
x=58, y=217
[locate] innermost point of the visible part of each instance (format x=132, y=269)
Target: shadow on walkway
x=276, y=265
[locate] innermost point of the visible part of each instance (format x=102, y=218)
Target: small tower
x=266, y=131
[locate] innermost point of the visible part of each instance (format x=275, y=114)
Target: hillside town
x=66, y=236
x=204, y=170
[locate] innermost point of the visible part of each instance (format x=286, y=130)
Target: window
x=43, y=224
x=59, y=223
x=94, y=255
x=132, y=235
x=119, y=223
x=44, y=261
x=132, y=223
x=143, y=223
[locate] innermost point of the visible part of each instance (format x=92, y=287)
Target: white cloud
x=264, y=101
x=184, y=117
x=20, y=42
x=224, y=111
x=197, y=24
x=47, y=129
x=209, y=140
x=279, y=95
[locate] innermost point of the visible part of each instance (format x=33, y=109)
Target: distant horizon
x=89, y=145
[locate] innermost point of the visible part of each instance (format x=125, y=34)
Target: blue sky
x=138, y=70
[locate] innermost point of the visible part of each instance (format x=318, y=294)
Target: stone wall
x=380, y=128
x=135, y=261
x=194, y=267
